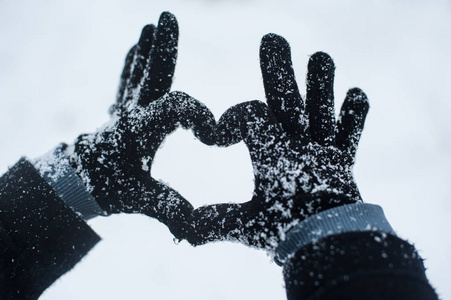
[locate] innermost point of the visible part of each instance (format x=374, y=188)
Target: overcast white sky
x=59, y=68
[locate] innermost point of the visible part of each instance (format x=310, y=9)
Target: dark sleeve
x=357, y=265
x=40, y=237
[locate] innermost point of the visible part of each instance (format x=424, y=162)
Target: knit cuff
x=346, y=218
x=55, y=168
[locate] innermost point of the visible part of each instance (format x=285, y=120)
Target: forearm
x=357, y=264
x=41, y=238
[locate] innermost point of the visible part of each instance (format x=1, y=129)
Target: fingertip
x=357, y=95
x=147, y=31
x=168, y=20
x=272, y=42
x=204, y=129
x=356, y=99
x=228, y=127
x=274, y=38
x=146, y=38
x=166, y=16
x=256, y=109
x=195, y=115
x=322, y=61
x=204, y=124
x=320, y=55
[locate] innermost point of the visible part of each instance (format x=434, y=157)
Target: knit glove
x=302, y=158
x=114, y=162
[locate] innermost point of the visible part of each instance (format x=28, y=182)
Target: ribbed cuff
x=347, y=218
x=55, y=168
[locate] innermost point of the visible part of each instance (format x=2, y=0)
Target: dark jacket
x=357, y=265
x=41, y=239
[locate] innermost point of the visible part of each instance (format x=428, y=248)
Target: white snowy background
x=59, y=68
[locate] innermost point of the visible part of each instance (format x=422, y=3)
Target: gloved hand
x=114, y=162
x=302, y=158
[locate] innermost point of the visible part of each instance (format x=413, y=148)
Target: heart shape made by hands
x=204, y=174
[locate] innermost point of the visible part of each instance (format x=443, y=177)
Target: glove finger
x=143, y=129
x=281, y=89
x=163, y=55
x=140, y=61
x=165, y=204
x=179, y=109
x=219, y=222
x=125, y=75
x=320, y=98
x=228, y=130
x=351, y=121
x=252, y=122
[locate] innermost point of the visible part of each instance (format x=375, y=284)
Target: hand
x=114, y=162
x=302, y=158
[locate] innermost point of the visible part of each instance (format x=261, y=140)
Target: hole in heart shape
x=204, y=174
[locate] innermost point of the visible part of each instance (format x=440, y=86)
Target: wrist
x=56, y=168
x=349, y=262
x=355, y=217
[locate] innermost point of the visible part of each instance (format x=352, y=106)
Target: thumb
x=219, y=222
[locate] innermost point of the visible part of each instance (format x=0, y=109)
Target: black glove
x=302, y=158
x=114, y=162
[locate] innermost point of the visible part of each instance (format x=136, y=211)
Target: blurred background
x=59, y=68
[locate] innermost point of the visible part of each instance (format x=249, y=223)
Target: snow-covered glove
x=114, y=162
x=302, y=158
